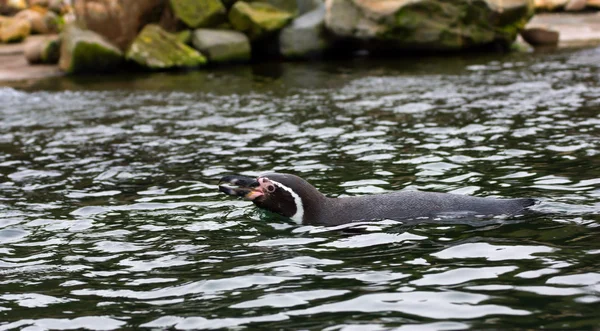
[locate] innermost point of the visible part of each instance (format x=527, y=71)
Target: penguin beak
x=247, y=187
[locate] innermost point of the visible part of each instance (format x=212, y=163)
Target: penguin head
x=283, y=194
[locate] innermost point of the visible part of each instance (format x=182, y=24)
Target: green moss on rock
x=199, y=13
x=454, y=24
x=429, y=24
x=43, y=50
x=184, y=36
x=50, y=51
x=155, y=49
x=257, y=19
x=86, y=51
x=290, y=6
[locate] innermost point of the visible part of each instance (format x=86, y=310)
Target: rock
x=86, y=51
x=35, y=18
x=304, y=6
x=224, y=26
x=42, y=22
x=58, y=6
x=198, y=13
x=41, y=3
x=593, y=3
x=520, y=46
x=10, y=7
x=155, y=48
x=550, y=5
x=53, y=22
x=168, y=21
x=14, y=30
x=117, y=20
x=429, y=24
x=575, y=5
x=222, y=45
x=228, y=3
x=184, y=36
x=46, y=50
x=540, y=36
x=290, y=6
x=306, y=36
x=257, y=19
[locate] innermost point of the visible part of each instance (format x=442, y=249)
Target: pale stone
x=14, y=30
x=550, y=5
x=9, y=7
x=41, y=22
x=306, y=36
x=593, y=3
x=222, y=45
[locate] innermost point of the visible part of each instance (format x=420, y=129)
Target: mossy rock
x=454, y=25
x=199, y=13
x=51, y=51
x=429, y=24
x=46, y=50
x=257, y=19
x=184, y=36
x=156, y=49
x=85, y=51
x=290, y=6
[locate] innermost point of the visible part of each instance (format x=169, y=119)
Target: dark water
x=110, y=216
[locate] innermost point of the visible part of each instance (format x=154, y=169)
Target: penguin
x=293, y=197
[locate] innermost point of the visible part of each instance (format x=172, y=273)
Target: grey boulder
x=306, y=36
x=222, y=46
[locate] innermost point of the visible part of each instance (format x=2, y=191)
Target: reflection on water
x=110, y=215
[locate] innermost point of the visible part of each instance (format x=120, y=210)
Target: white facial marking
x=299, y=215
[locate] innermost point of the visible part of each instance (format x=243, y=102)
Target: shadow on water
x=110, y=216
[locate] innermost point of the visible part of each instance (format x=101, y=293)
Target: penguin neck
x=312, y=204
x=322, y=210
x=346, y=209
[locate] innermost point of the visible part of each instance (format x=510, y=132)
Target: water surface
x=110, y=216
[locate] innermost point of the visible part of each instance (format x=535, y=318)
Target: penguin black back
x=293, y=197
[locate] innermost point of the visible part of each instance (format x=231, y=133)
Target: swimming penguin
x=293, y=197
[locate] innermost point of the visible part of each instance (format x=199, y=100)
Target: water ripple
x=110, y=217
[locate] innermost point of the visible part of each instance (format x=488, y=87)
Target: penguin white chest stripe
x=299, y=215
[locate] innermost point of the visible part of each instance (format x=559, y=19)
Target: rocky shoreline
x=151, y=35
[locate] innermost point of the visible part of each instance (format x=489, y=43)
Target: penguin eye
x=271, y=188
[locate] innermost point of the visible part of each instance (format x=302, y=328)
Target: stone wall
x=166, y=34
